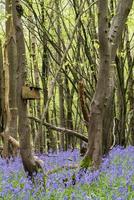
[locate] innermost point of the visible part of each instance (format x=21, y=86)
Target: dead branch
x=60, y=129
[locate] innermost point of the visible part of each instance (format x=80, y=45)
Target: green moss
x=86, y=162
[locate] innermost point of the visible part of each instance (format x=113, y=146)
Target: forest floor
x=114, y=180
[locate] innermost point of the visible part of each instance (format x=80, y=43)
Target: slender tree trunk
x=121, y=99
x=69, y=118
x=60, y=78
x=31, y=104
x=34, y=106
x=130, y=88
x=6, y=101
x=12, y=64
x=131, y=99
x=49, y=138
x=1, y=90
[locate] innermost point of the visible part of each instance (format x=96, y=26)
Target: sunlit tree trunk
x=130, y=85
x=1, y=90
x=6, y=101
x=60, y=78
x=34, y=105
x=12, y=64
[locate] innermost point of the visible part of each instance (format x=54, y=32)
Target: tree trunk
x=69, y=118
x=6, y=101
x=105, y=84
x=23, y=126
x=103, y=87
x=121, y=99
x=12, y=64
x=60, y=78
x=130, y=88
x=115, y=33
x=1, y=90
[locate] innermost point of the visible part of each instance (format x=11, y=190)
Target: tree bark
x=12, y=64
x=69, y=118
x=60, y=78
x=115, y=33
x=28, y=160
x=130, y=88
x=109, y=41
x=101, y=95
x=1, y=90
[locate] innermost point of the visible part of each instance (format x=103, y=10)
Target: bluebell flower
x=66, y=198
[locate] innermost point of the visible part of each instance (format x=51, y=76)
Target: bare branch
x=60, y=129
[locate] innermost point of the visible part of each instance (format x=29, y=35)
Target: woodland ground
x=114, y=180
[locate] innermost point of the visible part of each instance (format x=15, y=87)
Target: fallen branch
x=60, y=129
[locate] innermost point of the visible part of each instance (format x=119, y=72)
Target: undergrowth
x=113, y=181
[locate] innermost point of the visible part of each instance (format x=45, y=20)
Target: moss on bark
x=86, y=162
